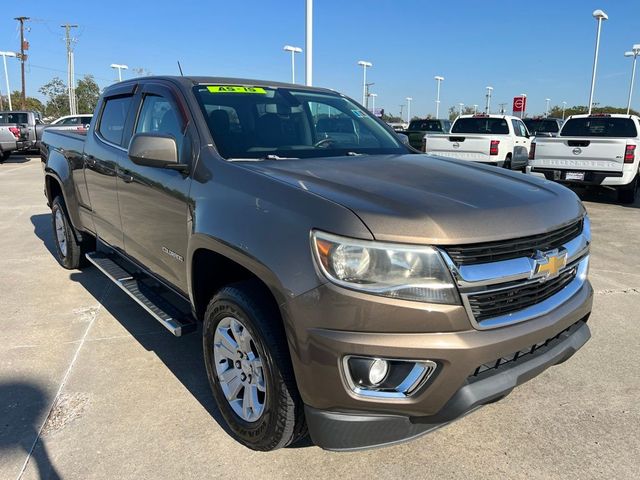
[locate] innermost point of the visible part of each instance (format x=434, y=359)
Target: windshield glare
x=257, y=122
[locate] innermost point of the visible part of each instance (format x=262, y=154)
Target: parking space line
x=54, y=402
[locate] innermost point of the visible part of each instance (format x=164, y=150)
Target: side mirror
x=154, y=150
x=403, y=138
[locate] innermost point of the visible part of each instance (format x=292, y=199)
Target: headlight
x=408, y=272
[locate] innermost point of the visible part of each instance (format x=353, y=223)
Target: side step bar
x=147, y=292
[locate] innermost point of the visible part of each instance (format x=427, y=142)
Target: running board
x=149, y=294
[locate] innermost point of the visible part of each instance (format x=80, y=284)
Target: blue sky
x=513, y=46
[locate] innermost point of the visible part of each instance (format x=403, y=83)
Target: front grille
x=525, y=354
x=502, y=302
x=516, y=248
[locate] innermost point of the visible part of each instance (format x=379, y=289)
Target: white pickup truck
x=597, y=149
x=499, y=140
x=9, y=141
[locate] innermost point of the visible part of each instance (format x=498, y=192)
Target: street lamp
x=546, y=110
x=475, y=108
x=408, y=99
x=119, y=68
x=461, y=105
x=487, y=108
x=635, y=51
x=373, y=102
x=293, y=50
x=564, y=105
x=364, y=66
x=6, y=74
x=438, y=80
x=599, y=15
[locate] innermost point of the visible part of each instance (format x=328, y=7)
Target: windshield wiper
x=355, y=154
x=276, y=157
x=260, y=159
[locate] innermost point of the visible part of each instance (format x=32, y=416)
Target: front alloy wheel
x=239, y=369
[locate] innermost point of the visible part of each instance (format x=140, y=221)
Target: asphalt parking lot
x=92, y=387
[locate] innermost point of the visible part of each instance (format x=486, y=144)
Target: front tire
x=68, y=249
x=628, y=193
x=249, y=368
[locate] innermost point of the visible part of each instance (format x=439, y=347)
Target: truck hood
x=424, y=199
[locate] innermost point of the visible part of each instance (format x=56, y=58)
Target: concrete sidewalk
x=92, y=387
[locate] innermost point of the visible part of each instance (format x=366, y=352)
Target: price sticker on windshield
x=235, y=89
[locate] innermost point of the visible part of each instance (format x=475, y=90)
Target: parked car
x=30, y=124
x=347, y=285
x=419, y=128
x=398, y=126
x=499, y=140
x=543, y=126
x=592, y=150
x=79, y=123
x=9, y=141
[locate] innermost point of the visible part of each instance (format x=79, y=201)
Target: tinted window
x=599, y=127
x=159, y=115
x=542, y=126
x=13, y=117
x=426, y=125
x=114, y=116
x=496, y=126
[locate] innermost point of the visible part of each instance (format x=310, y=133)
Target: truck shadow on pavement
x=22, y=405
x=17, y=159
x=183, y=355
x=603, y=195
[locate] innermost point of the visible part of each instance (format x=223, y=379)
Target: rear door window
x=113, y=119
x=599, y=127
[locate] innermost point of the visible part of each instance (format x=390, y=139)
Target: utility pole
x=71, y=81
x=23, y=58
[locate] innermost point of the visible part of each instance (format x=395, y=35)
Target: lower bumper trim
x=356, y=431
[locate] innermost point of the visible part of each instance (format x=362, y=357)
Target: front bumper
x=353, y=431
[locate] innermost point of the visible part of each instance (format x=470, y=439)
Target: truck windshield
x=425, y=125
x=13, y=117
x=541, y=126
x=599, y=127
x=496, y=126
x=262, y=122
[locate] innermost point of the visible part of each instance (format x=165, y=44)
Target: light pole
x=308, y=44
x=461, y=105
x=487, y=108
x=635, y=51
x=119, y=67
x=438, y=80
x=546, y=109
x=364, y=66
x=599, y=15
x=6, y=74
x=564, y=105
x=408, y=99
x=475, y=108
x=293, y=50
x=373, y=102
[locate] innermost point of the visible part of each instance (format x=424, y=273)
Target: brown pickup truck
x=344, y=285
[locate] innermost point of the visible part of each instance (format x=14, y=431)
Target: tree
x=556, y=111
x=87, y=94
x=455, y=111
x=57, y=98
x=30, y=103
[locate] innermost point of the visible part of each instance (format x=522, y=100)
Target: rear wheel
x=507, y=162
x=249, y=368
x=67, y=247
x=4, y=156
x=628, y=193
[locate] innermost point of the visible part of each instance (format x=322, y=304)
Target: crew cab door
x=104, y=149
x=153, y=200
x=521, y=144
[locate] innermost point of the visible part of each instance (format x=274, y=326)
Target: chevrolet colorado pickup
x=592, y=150
x=498, y=140
x=347, y=286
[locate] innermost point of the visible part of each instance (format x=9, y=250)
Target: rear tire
x=628, y=193
x=4, y=156
x=68, y=250
x=507, y=162
x=256, y=360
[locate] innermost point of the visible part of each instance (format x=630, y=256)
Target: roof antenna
x=180, y=68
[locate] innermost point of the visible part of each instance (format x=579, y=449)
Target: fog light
x=378, y=371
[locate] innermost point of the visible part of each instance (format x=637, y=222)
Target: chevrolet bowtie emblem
x=547, y=265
